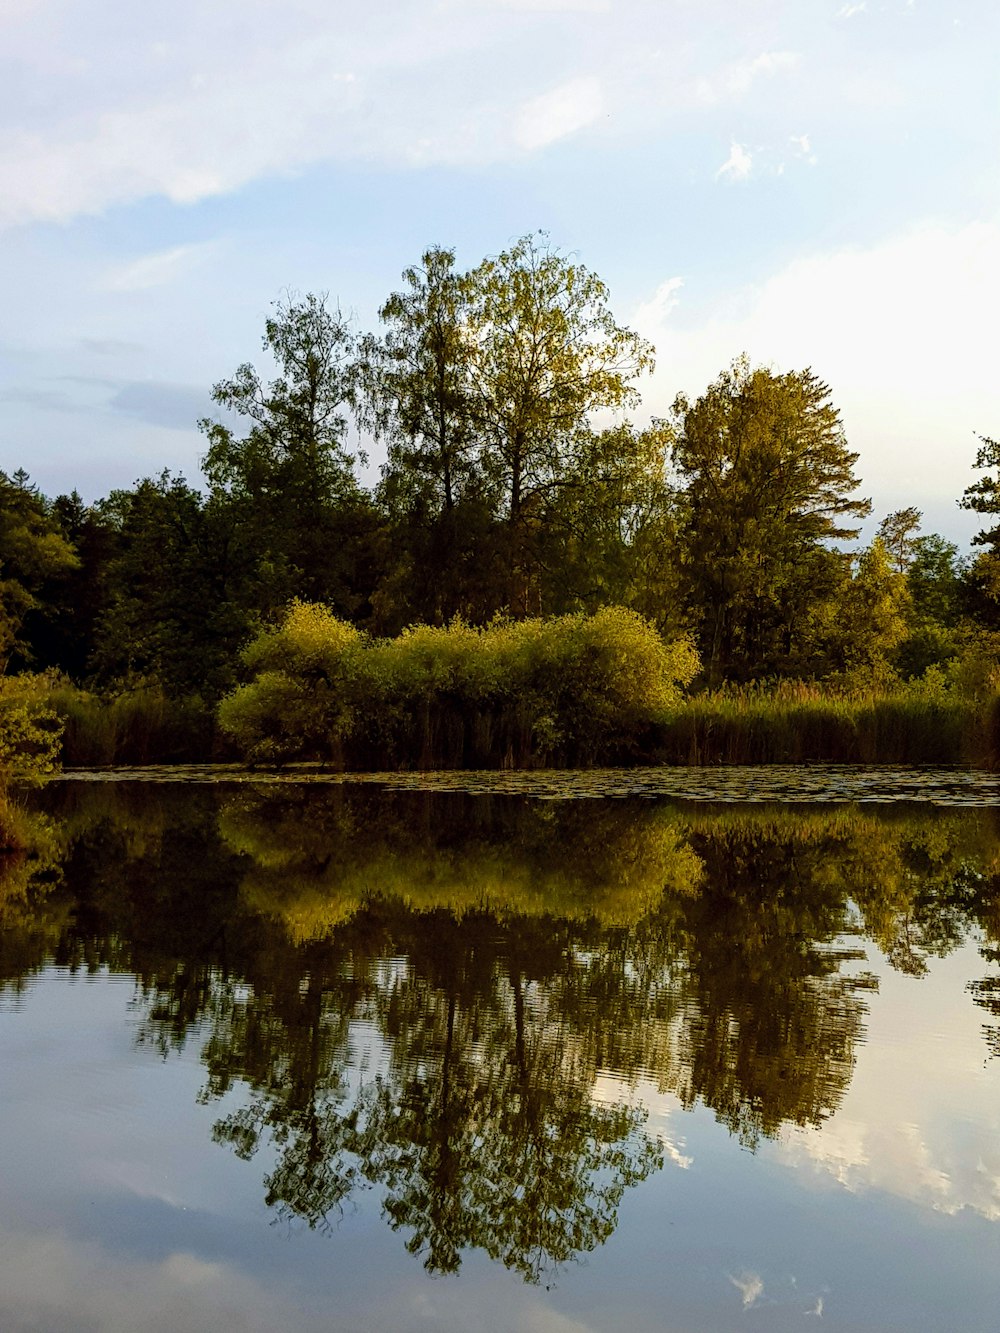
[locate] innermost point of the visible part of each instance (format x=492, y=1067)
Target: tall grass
x=801, y=724
x=142, y=725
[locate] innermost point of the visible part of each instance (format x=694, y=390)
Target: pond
x=665, y=1050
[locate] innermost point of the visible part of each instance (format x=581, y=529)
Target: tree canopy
x=767, y=480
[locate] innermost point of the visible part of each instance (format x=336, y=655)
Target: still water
x=553, y=1053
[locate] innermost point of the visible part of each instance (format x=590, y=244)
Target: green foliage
x=897, y=533
x=868, y=621
x=308, y=681
x=416, y=387
x=573, y=688
x=140, y=725
x=30, y=737
x=167, y=615
x=983, y=496
x=514, y=489
x=30, y=730
x=768, y=477
x=294, y=520
x=34, y=557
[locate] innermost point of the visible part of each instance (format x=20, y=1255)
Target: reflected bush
x=317, y=862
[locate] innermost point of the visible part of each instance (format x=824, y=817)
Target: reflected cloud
x=50, y=1281
x=897, y=1130
x=750, y=1286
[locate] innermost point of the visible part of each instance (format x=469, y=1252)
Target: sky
x=810, y=182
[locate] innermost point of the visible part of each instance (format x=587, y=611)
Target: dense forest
x=516, y=489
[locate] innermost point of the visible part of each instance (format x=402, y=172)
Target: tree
x=300, y=522
x=168, y=612
x=297, y=422
x=983, y=496
x=870, y=617
x=416, y=385
x=416, y=396
x=62, y=633
x=897, y=533
x=545, y=354
x=934, y=578
x=605, y=539
x=767, y=479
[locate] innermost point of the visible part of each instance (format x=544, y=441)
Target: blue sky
x=812, y=182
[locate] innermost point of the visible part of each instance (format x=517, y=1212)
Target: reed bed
x=142, y=725
x=805, y=725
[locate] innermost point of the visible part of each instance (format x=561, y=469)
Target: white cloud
x=549, y=6
x=735, y=79
x=904, y=333
x=738, y=164
x=653, y=312
x=739, y=77
x=849, y=11
x=554, y=115
x=155, y=270
x=802, y=146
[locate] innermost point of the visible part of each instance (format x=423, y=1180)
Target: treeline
x=515, y=486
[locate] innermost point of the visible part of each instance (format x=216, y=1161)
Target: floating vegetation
x=789, y=783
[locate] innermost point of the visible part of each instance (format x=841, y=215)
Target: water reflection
x=423, y=994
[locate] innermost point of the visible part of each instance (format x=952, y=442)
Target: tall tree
x=767, y=478
x=416, y=385
x=300, y=520
x=416, y=397
x=983, y=496
x=898, y=534
x=545, y=355
x=167, y=613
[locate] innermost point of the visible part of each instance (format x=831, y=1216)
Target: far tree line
x=515, y=485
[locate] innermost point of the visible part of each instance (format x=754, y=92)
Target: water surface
x=664, y=1050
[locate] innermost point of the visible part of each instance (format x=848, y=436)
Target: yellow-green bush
x=30, y=730
x=575, y=689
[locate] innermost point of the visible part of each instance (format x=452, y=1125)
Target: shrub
x=572, y=689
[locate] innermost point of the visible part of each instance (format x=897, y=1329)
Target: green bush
x=575, y=689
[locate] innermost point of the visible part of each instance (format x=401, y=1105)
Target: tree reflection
x=423, y=995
